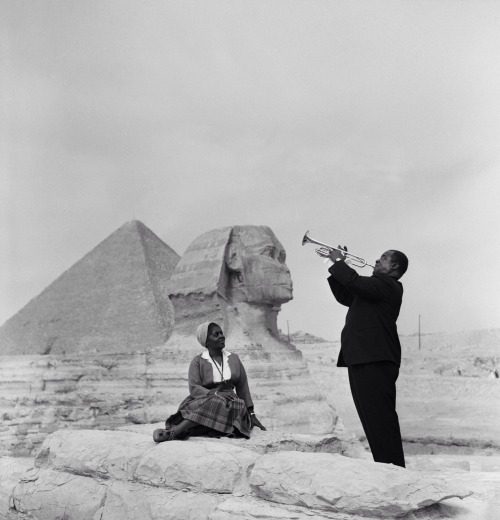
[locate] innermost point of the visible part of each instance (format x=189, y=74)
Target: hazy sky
x=370, y=123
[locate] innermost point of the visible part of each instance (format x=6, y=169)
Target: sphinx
x=237, y=277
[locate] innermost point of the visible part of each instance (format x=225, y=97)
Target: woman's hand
x=256, y=422
x=221, y=391
x=227, y=395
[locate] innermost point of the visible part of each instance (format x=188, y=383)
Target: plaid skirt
x=214, y=413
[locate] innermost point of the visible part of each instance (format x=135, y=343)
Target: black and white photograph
x=248, y=265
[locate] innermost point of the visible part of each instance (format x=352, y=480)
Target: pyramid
x=114, y=299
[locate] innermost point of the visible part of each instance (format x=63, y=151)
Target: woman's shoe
x=161, y=435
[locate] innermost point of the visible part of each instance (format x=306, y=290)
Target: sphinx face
x=256, y=264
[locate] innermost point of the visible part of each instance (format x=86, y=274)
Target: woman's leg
x=173, y=431
x=183, y=427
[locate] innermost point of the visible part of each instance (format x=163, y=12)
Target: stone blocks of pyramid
x=114, y=299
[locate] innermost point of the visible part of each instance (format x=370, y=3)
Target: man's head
x=393, y=263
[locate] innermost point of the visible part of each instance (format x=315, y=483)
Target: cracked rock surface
x=124, y=475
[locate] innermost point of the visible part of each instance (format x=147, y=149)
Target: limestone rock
x=11, y=470
x=271, y=441
x=118, y=475
x=48, y=495
x=436, y=463
x=51, y=495
x=250, y=508
x=94, y=453
x=338, y=484
x=129, y=501
x=41, y=394
x=202, y=466
x=112, y=300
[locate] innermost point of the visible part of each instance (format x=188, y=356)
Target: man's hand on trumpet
x=335, y=254
x=332, y=254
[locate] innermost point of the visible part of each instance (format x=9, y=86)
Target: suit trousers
x=373, y=388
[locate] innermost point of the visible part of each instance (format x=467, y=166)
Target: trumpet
x=325, y=250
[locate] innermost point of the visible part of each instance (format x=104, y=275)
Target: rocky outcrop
x=112, y=300
x=11, y=471
x=341, y=442
x=110, y=475
x=41, y=394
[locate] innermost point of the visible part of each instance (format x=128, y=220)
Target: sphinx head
x=234, y=269
x=256, y=268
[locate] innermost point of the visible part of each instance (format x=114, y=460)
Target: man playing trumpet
x=370, y=347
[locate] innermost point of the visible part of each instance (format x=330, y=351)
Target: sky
x=374, y=124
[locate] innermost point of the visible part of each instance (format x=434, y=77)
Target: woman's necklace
x=217, y=366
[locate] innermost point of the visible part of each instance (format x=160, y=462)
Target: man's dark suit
x=371, y=350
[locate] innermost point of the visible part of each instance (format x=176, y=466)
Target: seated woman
x=212, y=406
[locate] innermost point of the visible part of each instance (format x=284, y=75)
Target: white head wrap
x=202, y=332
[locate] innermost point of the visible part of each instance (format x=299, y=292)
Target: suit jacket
x=370, y=333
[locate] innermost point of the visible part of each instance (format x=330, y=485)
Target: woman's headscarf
x=202, y=332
